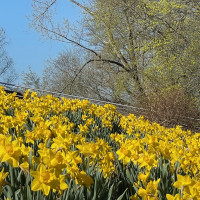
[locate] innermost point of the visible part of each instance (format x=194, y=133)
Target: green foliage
x=153, y=45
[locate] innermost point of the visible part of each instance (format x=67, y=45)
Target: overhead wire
x=74, y=96
x=122, y=107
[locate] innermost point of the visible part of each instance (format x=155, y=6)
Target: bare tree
x=42, y=21
x=66, y=73
x=142, y=39
x=32, y=80
x=7, y=72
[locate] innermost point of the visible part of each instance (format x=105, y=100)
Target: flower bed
x=53, y=148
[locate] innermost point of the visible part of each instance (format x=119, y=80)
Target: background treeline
x=7, y=72
x=141, y=53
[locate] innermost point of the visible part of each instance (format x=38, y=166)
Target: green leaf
x=95, y=189
x=28, y=191
x=129, y=176
x=12, y=176
x=48, y=143
x=16, y=194
x=110, y=192
x=19, y=176
x=66, y=196
x=7, y=190
x=122, y=195
x=30, y=159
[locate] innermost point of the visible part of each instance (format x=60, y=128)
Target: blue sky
x=26, y=46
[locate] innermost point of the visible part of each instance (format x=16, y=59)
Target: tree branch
x=70, y=40
x=48, y=8
x=93, y=60
x=83, y=7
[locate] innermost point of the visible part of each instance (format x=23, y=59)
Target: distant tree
x=148, y=48
x=66, y=74
x=32, y=80
x=70, y=73
x=147, y=41
x=7, y=72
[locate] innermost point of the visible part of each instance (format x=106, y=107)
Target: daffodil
x=143, y=177
x=44, y=180
x=176, y=197
x=183, y=181
x=83, y=179
x=2, y=178
x=151, y=191
x=11, y=152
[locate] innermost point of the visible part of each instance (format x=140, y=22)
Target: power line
x=121, y=107
x=74, y=96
